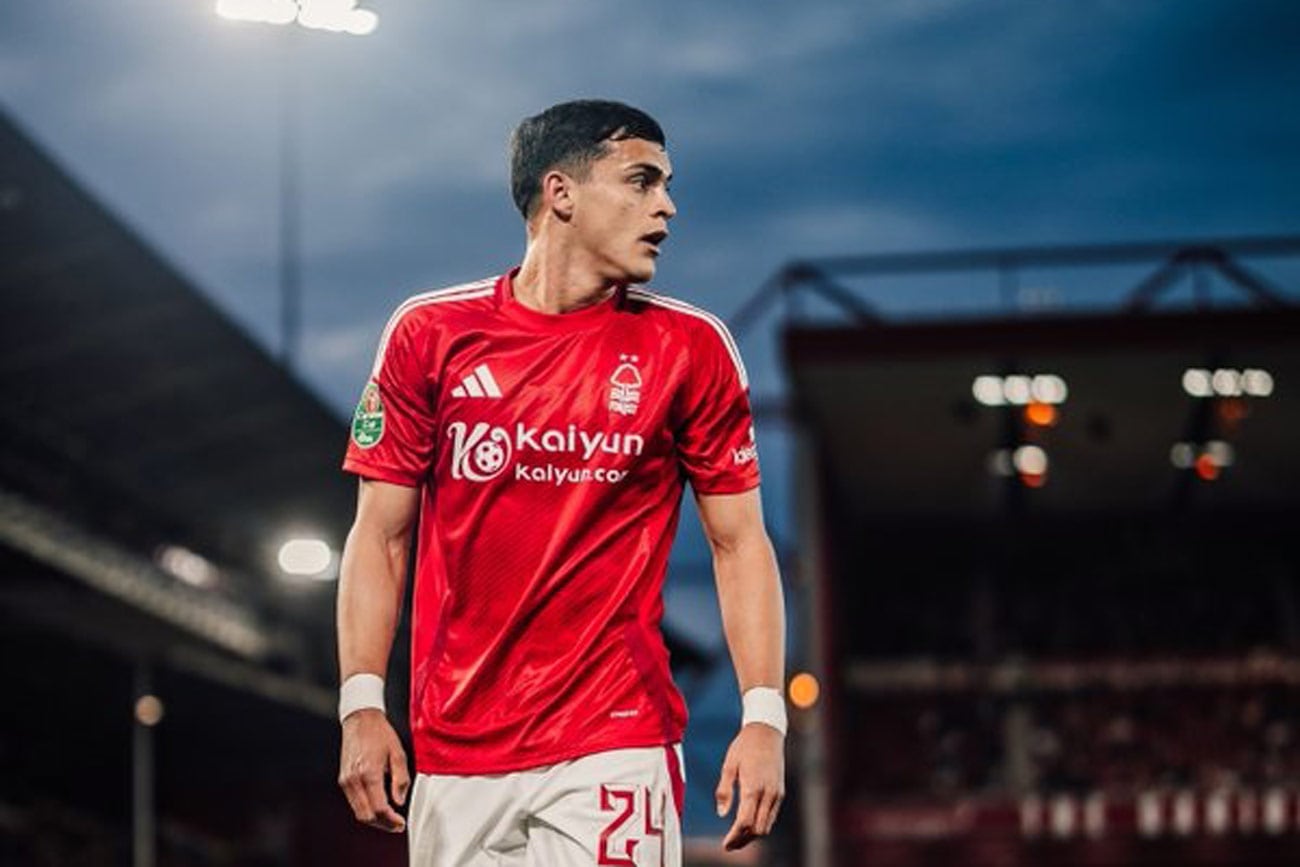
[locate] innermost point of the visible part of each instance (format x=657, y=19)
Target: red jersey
x=552, y=451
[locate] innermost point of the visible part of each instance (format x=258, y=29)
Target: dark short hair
x=570, y=136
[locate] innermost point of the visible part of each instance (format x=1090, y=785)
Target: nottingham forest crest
x=625, y=386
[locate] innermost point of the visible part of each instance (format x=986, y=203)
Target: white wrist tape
x=763, y=704
x=361, y=691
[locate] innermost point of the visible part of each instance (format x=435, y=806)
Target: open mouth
x=654, y=239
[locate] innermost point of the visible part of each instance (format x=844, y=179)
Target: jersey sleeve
x=392, y=437
x=715, y=437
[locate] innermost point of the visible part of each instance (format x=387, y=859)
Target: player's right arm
x=371, y=584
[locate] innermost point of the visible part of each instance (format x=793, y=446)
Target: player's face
x=621, y=211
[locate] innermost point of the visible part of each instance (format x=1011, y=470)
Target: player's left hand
x=756, y=763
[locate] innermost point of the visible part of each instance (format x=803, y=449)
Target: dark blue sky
x=796, y=130
x=830, y=127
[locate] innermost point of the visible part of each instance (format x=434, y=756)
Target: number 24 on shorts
x=619, y=839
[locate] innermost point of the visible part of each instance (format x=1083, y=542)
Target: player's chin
x=641, y=271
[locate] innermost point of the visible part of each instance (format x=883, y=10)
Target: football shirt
x=551, y=451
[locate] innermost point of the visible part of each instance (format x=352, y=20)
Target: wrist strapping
x=361, y=691
x=763, y=704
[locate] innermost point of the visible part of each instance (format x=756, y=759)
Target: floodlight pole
x=290, y=230
x=143, y=820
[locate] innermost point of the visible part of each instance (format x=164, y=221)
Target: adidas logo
x=478, y=384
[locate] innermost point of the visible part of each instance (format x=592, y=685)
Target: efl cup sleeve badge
x=625, y=386
x=368, y=420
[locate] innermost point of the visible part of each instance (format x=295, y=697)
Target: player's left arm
x=753, y=618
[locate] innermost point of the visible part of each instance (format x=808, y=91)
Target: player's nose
x=667, y=208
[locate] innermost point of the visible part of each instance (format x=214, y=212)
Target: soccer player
x=541, y=425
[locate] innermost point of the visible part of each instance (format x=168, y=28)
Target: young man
x=541, y=424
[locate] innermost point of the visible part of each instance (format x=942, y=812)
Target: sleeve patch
x=368, y=420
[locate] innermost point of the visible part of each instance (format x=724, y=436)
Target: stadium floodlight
x=261, y=11
x=1017, y=389
x=1049, y=388
x=307, y=558
x=1196, y=382
x=1030, y=460
x=1226, y=382
x=336, y=16
x=988, y=390
x=194, y=569
x=1257, y=383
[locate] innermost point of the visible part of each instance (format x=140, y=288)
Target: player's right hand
x=371, y=751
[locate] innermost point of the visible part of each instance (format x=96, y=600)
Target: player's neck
x=556, y=280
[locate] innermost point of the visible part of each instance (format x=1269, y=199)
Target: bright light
x=988, y=390
x=149, y=710
x=309, y=557
x=1257, y=383
x=263, y=11
x=1049, y=388
x=1030, y=460
x=189, y=567
x=1040, y=414
x=1182, y=455
x=1206, y=468
x=804, y=690
x=1017, y=389
x=1217, y=814
x=1196, y=382
x=1227, y=383
x=338, y=16
x=363, y=22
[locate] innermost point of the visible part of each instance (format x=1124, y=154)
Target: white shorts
x=621, y=807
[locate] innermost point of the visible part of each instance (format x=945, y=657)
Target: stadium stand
x=1061, y=634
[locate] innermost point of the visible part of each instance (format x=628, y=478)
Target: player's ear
x=557, y=194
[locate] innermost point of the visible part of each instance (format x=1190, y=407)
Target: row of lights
x=1227, y=382
x=1019, y=389
x=338, y=16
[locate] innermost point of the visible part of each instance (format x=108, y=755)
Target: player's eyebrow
x=650, y=169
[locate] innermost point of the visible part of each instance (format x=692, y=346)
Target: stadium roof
x=117, y=370
x=897, y=426
x=139, y=416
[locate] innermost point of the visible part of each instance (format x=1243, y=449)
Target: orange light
x=1033, y=480
x=1206, y=468
x=804, y=690
x=1041, y=414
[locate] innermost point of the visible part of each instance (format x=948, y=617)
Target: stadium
x=1034, y=507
